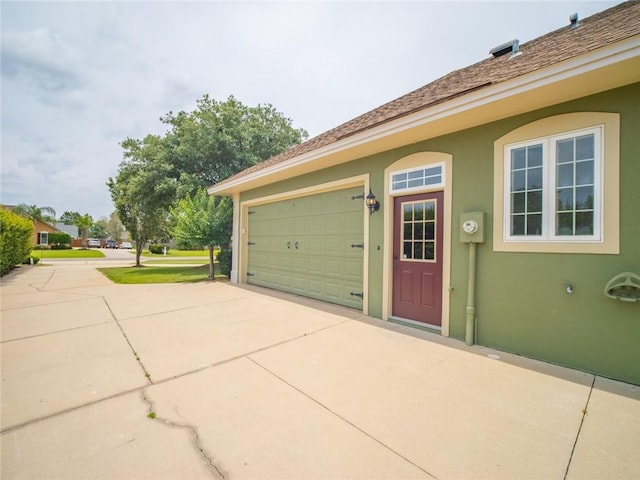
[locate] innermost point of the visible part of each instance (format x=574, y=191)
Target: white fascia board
x=592, y=61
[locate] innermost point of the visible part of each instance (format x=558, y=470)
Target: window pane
x=564, y=224
x=408, y=231
x=429, y=231
x=517, y=225
x=584, y=198
x=416, y=174
x=534, y=178
x=399, y=185
x=399, y=177
x=564, y=151
x=534, y=202
x=415, y=183
x=564, y=175
x=585, y=147
x=433, y=180
x=407, y=250
x=534, y=225
x=417, y=251
x=408, y=213
x=418, y=231
x=517, y=202
x=430, y=211
x=534, y=157
x=584, y=173
x=518, y=158
x=564, y=199
x=418, y=211
x=433, y=171
x=429, y=251
x=518, y=181
x=584, y=223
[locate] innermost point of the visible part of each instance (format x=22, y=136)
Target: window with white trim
x=43, y=238
x=553, y=188
x=431, y=176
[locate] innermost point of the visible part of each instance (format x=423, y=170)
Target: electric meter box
x=472, y=227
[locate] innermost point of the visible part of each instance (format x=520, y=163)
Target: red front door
x=417, y=258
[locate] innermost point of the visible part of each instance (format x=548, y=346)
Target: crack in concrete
x=585, y=410
x=115, y=319
x=194, y=433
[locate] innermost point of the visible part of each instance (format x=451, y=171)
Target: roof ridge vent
x=573, y=20
x=512, y=47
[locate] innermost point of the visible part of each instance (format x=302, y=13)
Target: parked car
x=93, y=243
x=110, y=244
x=126, y=245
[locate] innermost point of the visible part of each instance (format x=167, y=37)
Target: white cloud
x=80, y=77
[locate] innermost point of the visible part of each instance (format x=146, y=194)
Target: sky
x=80, y=77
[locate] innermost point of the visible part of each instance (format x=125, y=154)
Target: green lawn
x=176, y=261
x=131, y=275
x=74, y=253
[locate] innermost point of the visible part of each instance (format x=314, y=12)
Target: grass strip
x=71, y=253
x=145, y=274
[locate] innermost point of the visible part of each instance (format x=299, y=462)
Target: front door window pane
x=419, y=230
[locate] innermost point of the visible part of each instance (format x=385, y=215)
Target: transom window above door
x=418, y=178
x=418, y=231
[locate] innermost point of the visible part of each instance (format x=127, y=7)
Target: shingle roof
x=605, y=28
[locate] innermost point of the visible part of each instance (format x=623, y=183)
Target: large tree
x=69, y=218
x=205, y=221
x=219, y=139
x=200, y=148
x=143, y=191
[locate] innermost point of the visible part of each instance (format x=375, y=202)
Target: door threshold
x=414, y=324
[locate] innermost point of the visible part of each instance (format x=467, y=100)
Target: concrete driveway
x=247, y=383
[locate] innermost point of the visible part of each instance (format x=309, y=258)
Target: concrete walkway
x=244, y=383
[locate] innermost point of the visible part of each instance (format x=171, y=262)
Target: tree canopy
x=200, y=148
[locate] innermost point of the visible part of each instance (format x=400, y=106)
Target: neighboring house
x=70, y=229
x=539, y=145
x=41, y=230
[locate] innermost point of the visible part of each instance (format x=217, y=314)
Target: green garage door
x=311, y=246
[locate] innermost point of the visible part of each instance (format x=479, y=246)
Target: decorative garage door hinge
x=357, y=294
x=251, y=212
x=251, y=243
x=357, y=245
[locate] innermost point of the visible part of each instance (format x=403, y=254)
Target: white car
x=126, y=245
x=93, y=242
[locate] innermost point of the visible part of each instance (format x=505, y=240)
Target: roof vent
x=573, y=21
x=512, y=47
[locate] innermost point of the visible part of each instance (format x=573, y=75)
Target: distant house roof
x=70, y=229
x=602, y=29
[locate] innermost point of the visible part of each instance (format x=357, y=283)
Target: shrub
x=158, y=248
x=15, y=240
x=59, y=240
x=224, y=261
x=60, y=247
x=31, y=260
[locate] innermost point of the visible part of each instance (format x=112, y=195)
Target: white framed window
x=414, y=179
x=553, y=188
x=43, y=238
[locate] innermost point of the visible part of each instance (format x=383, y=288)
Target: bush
x=59, y=240
x=224, y=262
x=31, y=260
x=60, y=247
x=15, y=240
x=158, y=248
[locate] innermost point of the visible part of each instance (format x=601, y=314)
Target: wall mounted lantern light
x=372, y=204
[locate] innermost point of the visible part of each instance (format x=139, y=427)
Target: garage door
x=311, y=246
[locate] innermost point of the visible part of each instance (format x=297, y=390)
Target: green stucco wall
x=521, y=302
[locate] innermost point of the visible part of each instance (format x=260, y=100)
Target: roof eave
x=605, y=68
